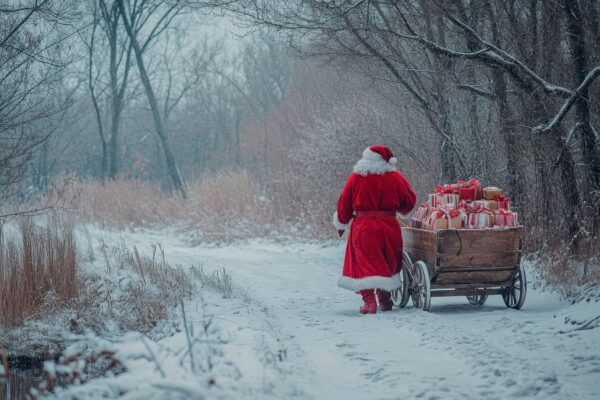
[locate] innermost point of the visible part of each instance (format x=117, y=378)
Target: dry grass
x=122, y=203
x=229, y=205
x=38, y=270
x=223, y=206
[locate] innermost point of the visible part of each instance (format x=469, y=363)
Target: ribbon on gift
x=422, y=212
x=478, y=207
x=445, y=213
x=447, y=189
x=464, y=216
x=482, y=218
x=503, y=201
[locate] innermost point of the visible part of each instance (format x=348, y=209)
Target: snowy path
x=457, y=351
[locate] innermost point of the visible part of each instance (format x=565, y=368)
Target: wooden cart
x=471, y=263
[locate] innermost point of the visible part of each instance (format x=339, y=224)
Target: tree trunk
x=580, y=66
x=115, y=106
x=172, y=168
x=568, y=183
x=591, y=157
x=507, y=129
x=98, y=113
x=546, y=148
x=449, y=170
x=104, y=162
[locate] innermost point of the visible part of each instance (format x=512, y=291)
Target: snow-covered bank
x=455, y=351
x=230, y=350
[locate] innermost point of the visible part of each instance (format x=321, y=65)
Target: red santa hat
x=379, y=152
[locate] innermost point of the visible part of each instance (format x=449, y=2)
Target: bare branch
x=589, y=79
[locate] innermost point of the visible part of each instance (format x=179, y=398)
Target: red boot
x=385, y=300
x=370, y=306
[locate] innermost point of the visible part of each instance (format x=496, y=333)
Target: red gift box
x=469, y=190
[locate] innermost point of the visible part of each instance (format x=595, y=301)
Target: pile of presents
x=465, y=205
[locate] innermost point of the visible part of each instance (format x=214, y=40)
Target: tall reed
x=38, y=269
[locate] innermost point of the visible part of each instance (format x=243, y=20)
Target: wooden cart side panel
x=480, y=259
x=483, y=277
x=419, y=239
x=487, y=240
x=417, y=254
x=421, y=245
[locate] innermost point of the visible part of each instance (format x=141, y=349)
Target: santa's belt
x=376, y=214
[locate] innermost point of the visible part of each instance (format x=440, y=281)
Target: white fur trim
x=338, y=224
x=370, y=155
x=393, y=160
x=371, y=282
x=365, y=167
x=372, y=163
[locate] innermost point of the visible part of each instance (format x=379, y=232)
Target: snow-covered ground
x=322, y=348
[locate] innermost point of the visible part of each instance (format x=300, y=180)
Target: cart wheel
x=401, y=295
x=514, y=296
x=421, y=286
x=477, y=299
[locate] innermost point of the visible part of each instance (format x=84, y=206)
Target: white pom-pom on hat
x=393, y=160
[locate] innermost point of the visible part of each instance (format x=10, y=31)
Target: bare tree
x=93, y=79
x=164, y=19
x=32, y=60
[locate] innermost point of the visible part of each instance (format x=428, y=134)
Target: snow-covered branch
x=508, y=58
x=587, y=81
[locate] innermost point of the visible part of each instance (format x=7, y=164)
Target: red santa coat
x=374, y=249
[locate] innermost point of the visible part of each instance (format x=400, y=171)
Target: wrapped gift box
x=481, y=220
x=443, y=219
x=468, y=206
x=443, y=200
x=422, y=212
x=503, y=202
x=505, y=219
x=490, y=193
x=470, y=190
x=491, y=205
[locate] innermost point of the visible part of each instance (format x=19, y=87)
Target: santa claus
x=374, y=192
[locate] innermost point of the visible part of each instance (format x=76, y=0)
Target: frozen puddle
x=457, y=351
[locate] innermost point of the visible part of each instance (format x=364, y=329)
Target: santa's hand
x=341, y=232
